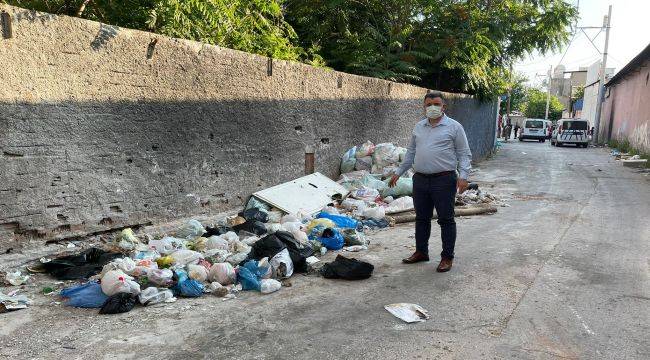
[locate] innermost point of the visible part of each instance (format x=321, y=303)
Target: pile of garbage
x=256, y=250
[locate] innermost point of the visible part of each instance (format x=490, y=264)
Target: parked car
x=571, y=131
x=534, y=129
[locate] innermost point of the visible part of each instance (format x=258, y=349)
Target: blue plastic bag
x=248, y=280
x=258, y=271
x=332, y=239
x=88, y=295
x=186, y=287
x=341, y=221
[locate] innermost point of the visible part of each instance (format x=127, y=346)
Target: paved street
x=560, y=274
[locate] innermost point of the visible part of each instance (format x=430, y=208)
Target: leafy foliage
x=535, y=105
x=453, y=45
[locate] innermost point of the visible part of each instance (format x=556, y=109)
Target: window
x=535, y=124
x=575, y=125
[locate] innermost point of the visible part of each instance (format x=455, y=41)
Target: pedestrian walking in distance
x=438, y=148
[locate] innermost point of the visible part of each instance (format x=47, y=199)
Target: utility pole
x=601, y=85
x=548, y=91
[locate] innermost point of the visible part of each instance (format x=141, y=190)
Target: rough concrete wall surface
x=103, y=127
x=626, y=111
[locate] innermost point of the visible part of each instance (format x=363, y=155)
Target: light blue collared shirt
x=438, y=148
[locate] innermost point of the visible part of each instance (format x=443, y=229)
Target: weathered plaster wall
x=103, y=127
x=626, y=110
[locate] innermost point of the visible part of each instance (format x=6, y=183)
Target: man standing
x=438, y=147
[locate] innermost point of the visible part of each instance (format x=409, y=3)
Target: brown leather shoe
x=415, y=258
x=445, y=265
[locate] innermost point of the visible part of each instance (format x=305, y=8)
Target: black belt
x=435, y=174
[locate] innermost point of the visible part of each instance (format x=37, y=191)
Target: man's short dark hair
x=435, y=94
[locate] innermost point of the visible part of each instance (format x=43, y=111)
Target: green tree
x=256, y=26
x=535, y=105
x=455, y=45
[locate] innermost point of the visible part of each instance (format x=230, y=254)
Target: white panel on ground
x=308, y=194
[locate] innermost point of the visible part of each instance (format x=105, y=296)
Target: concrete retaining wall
x=103, y=127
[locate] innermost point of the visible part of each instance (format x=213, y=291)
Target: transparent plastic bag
x=363, y=163
x=197, y=272
x=152, y=295
x=116, y=281
x=185, y=257
x=348, y=159
x=190, y=230
x=365, y=149
x=377, y=213
x=223, y=273
x=282, y=265
x=268, y=286
x=216, y=242
x=160, y=277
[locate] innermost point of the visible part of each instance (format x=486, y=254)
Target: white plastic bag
x=197, y=272
x=167, y=245
x=269, y=285
x=230, y=236
x=16, y=278
x=185, y=257
x=116, y=281
x=366, y=194
x=160, y=277
x=223, y=273
x=282, y=265
x=152, y=295
x=377, y=213
x=289, y=219
x=402, y=204
x=273, y=227
x=275, y=216
x=191, y=230
x=216, y=242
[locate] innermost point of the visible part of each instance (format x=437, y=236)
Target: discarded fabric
x=348, y=269
x=81, y=266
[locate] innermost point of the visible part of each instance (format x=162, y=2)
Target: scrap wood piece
x=459, y=211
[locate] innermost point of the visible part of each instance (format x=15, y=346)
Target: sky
x=629, y=34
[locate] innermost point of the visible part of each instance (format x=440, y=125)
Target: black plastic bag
x=81, y=266
x=252, y=226
x=254, y=214
x=348, y=269
x=267, y=246
x=297, y=251
x=118, y=303
x=217, y=230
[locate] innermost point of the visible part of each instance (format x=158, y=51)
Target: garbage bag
x=255, y=214
x=363, y=163
x=403, y=187
x=365, y=149
x=268, y=286
x=402, y=204
x=216, y=242
x=282, y=264
x=186, y=287
x=267, y=246
x=216, y=231
x=372, y=182
x=223, y=273
x=161, y=277
x=298, y=251
x=252, y=226
x=376, y=212
x=365, y=194
x=402, y=153
x=375, y=224
x=332, y=239
x=153, y=295
x=116, y=281
x=248, y=280
x=353, y=237
x=325, y=223
x=80, y=266
x=167, y=245
x=341, y=221
x=88, y=295
x=262, y=270
x=348, y=160
x=190, y=230
x=127, y=239
x=185, y=257
x=118, y=303
x=348, y=269
x=197, y=272
x=236, y=259
x=385, y=154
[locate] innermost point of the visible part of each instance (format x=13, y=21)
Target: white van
x=571, y=131
x=534, y=129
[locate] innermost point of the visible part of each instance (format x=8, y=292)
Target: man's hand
x=393, y=180
x=461, y=185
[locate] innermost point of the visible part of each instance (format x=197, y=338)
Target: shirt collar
x=443, y=121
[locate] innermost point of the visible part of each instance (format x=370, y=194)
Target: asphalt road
x=560, y=274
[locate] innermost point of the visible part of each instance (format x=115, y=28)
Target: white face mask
x=434, y=112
